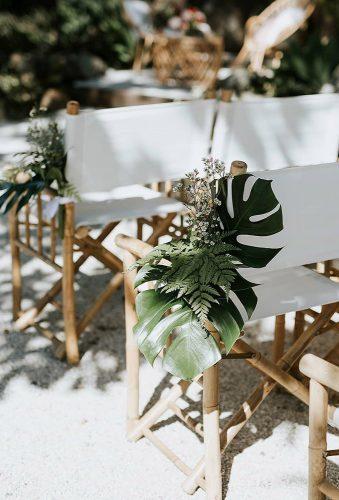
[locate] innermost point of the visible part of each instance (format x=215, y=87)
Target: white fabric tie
x=51, y=207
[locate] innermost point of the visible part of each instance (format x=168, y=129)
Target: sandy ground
x=62, y=430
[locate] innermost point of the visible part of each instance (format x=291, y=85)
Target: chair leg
x=211, y=433
x=140, y=226
x=299, y=324
x=317, y=439
x=16, y=265
x=68, y=298
x=279, y=338
x=132, y=351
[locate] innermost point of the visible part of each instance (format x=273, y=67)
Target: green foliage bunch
x=196, y=279
x=42, y=166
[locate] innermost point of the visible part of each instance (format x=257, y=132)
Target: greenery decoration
x=43, y=166
x=197, y=279
x=309, y=69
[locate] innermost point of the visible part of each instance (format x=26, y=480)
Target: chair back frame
x=255, y=54
x=322, y=375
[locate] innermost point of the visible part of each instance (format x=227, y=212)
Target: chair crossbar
x=331, y=453
x=329, y=490
x=171, y=455
x=156, y=412
x=33, y=253
x=184, y=416
x=236, y=355
x=59, y=346
x=28, y=316
x=97, y=250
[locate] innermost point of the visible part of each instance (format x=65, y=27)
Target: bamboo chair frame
x=207, y=471
x=322, y=375
x=248, y=50
x=191, y=60
x=74, y=240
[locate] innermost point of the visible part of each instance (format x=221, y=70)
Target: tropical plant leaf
x=228, y=322
x=148, y=273
x=191, y=352
x=261, y=203
x=4, y=197
x=19, y=193
x=156, y=340
x=151, y=305
x=248, y=299
x=256, y=257
x=258, y=215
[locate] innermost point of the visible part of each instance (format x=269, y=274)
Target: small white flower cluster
x=203, y=221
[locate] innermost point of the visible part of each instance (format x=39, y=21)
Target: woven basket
x=187, y=60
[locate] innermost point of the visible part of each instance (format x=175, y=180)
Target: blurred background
x=48, y=45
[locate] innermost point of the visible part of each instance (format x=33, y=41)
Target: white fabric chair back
x=310, y=205
x=280, y=132
x=137, y=145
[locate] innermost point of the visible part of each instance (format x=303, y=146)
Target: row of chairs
x=114, y=153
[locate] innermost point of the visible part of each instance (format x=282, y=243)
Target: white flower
x=22, y=177
x=174, y=23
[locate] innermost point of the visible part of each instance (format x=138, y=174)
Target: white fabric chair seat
x=124, y=202
x=290, y=290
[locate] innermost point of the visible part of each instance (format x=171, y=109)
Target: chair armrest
x=136, y=247
x=320, y=370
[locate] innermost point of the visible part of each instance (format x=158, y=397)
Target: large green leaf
x=228, y=322
x=260, y=202
x=150, y=307
x=258, y=215
x=192, y=351
x=156, y=340
x=248, y=299
x=256, y=257
x=19, y=194
x=149, y=273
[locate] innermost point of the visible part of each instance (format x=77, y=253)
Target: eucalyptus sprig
x=197, y=279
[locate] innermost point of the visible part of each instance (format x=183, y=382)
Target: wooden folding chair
x=308, y=196
x=269, y=29
x=269, y=134
x=323, y=375
x=111, y=155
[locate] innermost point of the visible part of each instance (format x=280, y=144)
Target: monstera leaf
x=207, y=272
x=258, y=215
x=18, y=194
x=193, y=349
